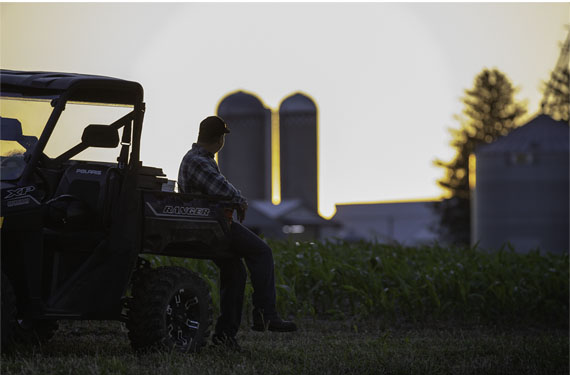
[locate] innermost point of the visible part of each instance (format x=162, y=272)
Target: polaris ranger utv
x=78, y=209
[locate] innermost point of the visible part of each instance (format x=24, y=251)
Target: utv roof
x=77, y=87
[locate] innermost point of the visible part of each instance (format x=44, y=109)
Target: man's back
x=199, y=174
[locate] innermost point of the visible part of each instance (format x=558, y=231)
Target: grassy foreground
x=320, y=347
x=362, y=308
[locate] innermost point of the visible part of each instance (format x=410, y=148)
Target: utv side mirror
x=100, y=136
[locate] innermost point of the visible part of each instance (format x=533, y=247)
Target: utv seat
x=84, y=198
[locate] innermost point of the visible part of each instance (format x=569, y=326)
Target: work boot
x=273, y=323
x=229, y=342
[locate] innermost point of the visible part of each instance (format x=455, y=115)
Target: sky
x=387, y=78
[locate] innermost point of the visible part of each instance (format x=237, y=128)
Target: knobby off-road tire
x=171, y=309
x=8, y=311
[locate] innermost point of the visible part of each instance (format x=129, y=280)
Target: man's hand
x=241, y=212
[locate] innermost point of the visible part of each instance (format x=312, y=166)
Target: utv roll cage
x=62, y=88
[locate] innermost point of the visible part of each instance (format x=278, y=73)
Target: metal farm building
x=521, y=189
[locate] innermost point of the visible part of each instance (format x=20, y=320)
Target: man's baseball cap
x=213, y=126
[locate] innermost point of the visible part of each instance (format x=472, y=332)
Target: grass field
x=319, y=347
x=362, y=309
x=409, y=284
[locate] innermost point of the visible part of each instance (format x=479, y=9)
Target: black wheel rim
x=182, y=318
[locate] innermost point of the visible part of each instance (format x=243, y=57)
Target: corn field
x=408, y=284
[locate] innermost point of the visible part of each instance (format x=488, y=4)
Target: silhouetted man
x=199, y=174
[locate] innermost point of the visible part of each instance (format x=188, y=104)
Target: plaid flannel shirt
x=199, y=174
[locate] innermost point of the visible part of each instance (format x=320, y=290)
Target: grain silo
x=245, y=159
x=521, y=189
x=298, y=150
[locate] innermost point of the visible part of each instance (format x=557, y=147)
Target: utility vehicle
x=79, y=211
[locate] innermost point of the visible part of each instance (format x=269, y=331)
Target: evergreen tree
x=556, y=99
x=490, y=112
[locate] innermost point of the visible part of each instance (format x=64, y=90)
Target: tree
x=556, y=97
x=490, y=112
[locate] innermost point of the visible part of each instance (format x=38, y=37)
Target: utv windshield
x=23, y=121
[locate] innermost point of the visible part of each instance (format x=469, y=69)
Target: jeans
x=259, y=260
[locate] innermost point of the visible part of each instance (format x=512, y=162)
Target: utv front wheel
x=170, y=309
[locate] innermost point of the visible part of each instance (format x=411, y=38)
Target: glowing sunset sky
x=387, y=78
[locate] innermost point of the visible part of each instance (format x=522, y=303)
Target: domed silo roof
x=245, y=158
x=522, y=188
x=298, y=150
x=298, y=103
x=240, y=103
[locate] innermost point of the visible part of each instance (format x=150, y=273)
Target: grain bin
x=298, y=150
x=245, y=159
x=521, y=190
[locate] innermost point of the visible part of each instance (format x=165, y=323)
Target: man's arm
x=210, y=181
x=216, y=184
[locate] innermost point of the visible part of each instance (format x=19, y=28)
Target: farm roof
x=540, y=134
x=287, y=212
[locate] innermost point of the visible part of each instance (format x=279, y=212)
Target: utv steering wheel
x=44, y=184
x=67, y=208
